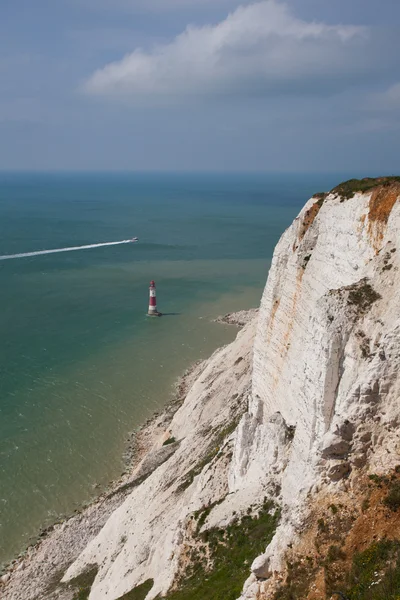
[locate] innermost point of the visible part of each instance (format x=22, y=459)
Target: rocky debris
x=338, y=471
x=240, y=318
x=260, y=567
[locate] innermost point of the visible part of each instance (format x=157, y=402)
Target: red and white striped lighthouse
x=153, y=312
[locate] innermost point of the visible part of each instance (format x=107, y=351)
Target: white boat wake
x=70, y=249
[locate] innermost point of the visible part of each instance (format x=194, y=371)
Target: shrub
x=365, y=504
x=392, y=500
x=321, y=525
x=362, y=295
x=170, y=440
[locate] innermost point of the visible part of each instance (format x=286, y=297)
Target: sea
x=81, y=365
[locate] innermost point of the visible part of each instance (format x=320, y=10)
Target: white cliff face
x=326, y=358
x=306, y=396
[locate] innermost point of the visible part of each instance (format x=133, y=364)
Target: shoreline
x=139, y=442
x=65, y=539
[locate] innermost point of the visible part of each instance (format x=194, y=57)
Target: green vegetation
x=230, y=551
x=347, y=189
x=226, y=431
x=83, y=583
x=190, y=475
x=320, y=196
x=212, y=453
x=379, y=480
x=375, y=574
x=334, y=554
x=365, y=504
x=392, y=500
x=362, y=295
x=140, y=592
x=170, y=440
x=297, y=582
x=321, y=525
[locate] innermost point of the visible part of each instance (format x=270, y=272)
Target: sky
x=200, y=85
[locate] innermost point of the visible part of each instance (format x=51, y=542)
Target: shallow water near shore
x=81, y=364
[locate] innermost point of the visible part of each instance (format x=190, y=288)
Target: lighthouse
x=153, y=312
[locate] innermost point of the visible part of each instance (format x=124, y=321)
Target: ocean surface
x=80, y=363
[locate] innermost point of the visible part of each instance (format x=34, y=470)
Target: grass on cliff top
x=375, y=574
x=347, y=189
x=232, y=551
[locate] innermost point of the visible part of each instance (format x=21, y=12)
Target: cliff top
x=347, y=189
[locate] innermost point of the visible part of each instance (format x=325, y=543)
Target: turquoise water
x=80, y=364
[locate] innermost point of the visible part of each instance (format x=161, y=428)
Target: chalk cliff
x=326, y=360
x=297, y=410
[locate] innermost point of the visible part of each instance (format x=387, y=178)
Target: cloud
x=259, y=49
x=132, y=6
x=389, y=100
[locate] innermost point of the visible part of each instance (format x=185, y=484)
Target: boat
x=135, y=239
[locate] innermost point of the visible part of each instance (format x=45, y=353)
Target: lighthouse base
x=154, y=314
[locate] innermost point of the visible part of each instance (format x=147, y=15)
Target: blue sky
x=222, y=85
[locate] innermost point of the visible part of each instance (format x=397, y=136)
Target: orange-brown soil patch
x=381, y=203
x=338, y=528
x=309, y=218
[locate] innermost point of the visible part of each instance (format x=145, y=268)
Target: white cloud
x=261, y=48
x=132, y=6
